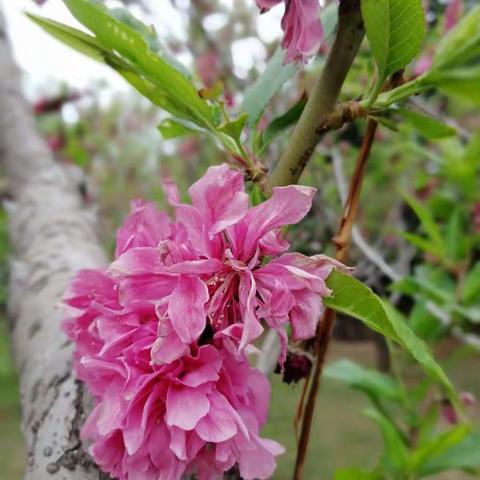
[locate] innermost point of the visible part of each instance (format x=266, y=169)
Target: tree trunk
x=53, y=234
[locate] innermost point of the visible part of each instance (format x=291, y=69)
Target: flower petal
x=219, y=424
x=219, y=195
x=247, y=293
x=286, y=206
x=185, y=407
x=144, y=227
x=186, y=308
x=167, y=349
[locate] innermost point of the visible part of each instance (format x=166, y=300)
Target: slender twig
x=323, y=97
x=324, y=331
x=377, y=259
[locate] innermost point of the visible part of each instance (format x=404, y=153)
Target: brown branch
x=325, y=328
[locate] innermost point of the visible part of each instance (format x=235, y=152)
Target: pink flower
x=209, y=266
x=162, y=336
x=301, y=25
x=199, y=414
x=423, y=64
x=453, y=13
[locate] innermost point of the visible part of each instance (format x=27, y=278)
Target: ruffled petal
x=286, y=206
x=146, y=226
x=186, y=308
x=220, y=197
x=185, y=407
x=219, y=425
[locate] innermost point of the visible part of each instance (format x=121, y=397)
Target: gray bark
x=53, y=234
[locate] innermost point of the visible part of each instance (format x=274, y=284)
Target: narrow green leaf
x=424, y=244
x=282, y=123
x=171, y=128
x=72, y=37
x=465, y=455
x=277, y=73
x=157, y=96
x=234, y=128
x=367, y=380
x=437, y=446
x=267, y=85
x=427, y=221
x=423, y=323
x=460, y=45
x=395, y=30
x=148, y=33
x=256, y=195
x=460, y=82
x=418, y=349
x=386, y=122
x=329, y=19
x=429, y=127
x=396, y=453
x=471, y=285
x=117, y=36
x=357, y=300
x=455, y=236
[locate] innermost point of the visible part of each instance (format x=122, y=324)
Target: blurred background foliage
x=417, y=239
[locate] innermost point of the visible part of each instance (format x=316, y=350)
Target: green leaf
x=386, y=122
x=357, y=300
x=423, y=323
x=396, y=453
x=118, y=37
x=465, y=455
x=157, y=96
x=367, y=380
x=277, y=73
x=72, y=37
x=429, y=127
x=471, y=285
x=461, y=82
x=395, y=30
x=355, y=474
x=267, y=85
x=171, y=128
x=234, y=128
x=437, y=446
x=353, y=298
x=422, y=243
x=282, y=123
x=427, y=221
x=148, y=33
x=413, y=286
x=256, y=195
x=418, y=349
x=455, y=236
x=460, y=45
x=329, y=19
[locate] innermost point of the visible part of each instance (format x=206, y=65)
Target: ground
x=341, y=435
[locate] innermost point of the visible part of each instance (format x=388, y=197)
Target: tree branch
x=325, y=328
x=323, y=97
x=52, y=234
x=376, y=258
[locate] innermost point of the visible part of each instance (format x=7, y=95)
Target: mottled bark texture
x=53, y=234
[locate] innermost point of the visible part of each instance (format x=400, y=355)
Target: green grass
x=341, y=435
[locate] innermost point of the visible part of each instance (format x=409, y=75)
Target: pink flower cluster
x=162, y=336
x=301, y=25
